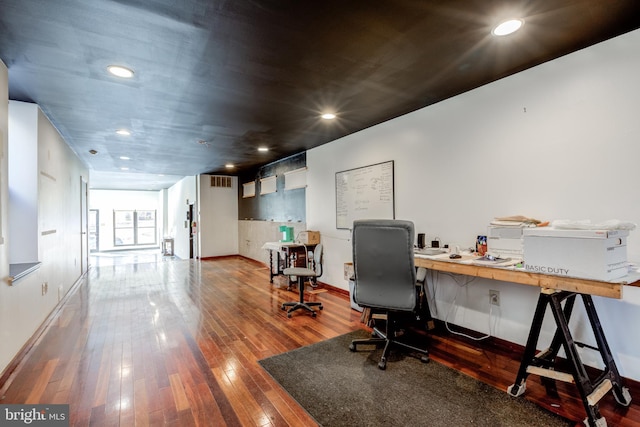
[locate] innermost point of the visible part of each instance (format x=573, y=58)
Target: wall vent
x=221, y=181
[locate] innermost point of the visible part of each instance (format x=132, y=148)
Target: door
x=192, y=233
x=84, y=215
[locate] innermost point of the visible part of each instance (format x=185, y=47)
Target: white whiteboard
x=364, y=193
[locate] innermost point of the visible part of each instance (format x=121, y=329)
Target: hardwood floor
x=176, y=342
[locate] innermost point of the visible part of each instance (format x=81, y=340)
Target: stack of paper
x=516, y=221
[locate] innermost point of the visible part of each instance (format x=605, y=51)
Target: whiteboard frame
x=387, y=215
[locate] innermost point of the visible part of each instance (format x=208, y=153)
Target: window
x=134, y=228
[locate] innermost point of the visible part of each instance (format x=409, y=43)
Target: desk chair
x=385, y=279
x=302, y=274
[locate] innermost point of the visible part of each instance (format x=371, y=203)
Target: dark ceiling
x=214, y=79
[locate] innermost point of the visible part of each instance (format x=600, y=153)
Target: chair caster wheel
x=313, y=314
x=352, y=347
x=283, y=308
x=320, y=307
x=289, y=315
x=382, y=365
x=424, y=359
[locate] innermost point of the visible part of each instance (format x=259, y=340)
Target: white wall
x=217, y=223
x=556, y=141
x=5, y=302
x=106, y=201
x=23, y=307
x=178, y=195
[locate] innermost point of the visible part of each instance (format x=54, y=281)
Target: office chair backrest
x=384, y=270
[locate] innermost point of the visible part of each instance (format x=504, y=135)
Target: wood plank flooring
x=176, y=343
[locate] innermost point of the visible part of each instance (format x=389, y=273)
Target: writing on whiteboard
x=365, y=192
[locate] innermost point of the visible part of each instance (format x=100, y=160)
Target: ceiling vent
x=221, y=181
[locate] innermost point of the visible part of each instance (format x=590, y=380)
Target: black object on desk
x=591, y=391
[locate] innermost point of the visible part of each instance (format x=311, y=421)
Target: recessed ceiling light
x=507, y=27
x=328, y=116
x=120, y=71
x=123, y=132
x=229, y=166
x=125, y=158
x=263, y=149
x=124, y=169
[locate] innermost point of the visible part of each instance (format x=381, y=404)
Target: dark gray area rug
x=343, y=388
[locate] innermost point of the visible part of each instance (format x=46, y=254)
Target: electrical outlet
x=494, y=297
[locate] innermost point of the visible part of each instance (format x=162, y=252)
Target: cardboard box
x=588, y=254
x=505, y=242
x=348, y=271
x=309, y=237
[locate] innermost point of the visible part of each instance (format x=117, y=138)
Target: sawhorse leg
x=543, y=364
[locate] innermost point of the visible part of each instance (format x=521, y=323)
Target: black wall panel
x=279, y=206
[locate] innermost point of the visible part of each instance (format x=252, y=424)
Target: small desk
x=288, y=254
x=553, y=291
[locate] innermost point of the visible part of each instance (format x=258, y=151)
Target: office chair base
x=295, y=305
x=381, y=338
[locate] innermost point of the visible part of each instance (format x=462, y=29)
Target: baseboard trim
x=211, y=258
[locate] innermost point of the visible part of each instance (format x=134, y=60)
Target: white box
x=505, y=242
x=588, y=254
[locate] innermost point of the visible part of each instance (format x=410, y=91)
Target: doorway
x=84, y=242
x=94, y=230
x=192, y=231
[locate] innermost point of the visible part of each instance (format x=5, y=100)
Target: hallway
x=173, y=342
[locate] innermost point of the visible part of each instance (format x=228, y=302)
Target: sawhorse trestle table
x=554, y=290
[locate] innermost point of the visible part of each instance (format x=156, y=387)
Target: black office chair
x=385, y=280
x=303, y=274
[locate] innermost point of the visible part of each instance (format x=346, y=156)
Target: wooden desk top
x=572, y=284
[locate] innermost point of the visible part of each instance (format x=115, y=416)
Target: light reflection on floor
x=139, y=256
